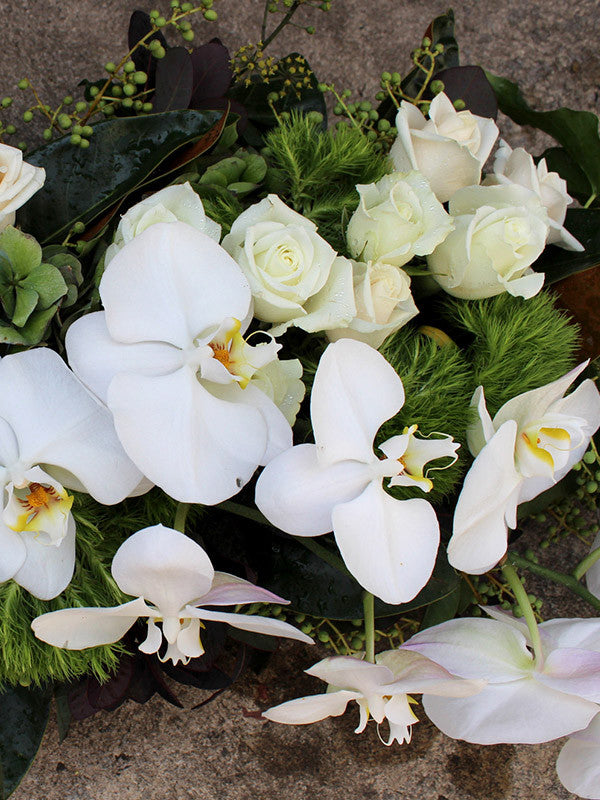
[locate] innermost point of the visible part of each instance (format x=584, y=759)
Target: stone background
x=158, y=752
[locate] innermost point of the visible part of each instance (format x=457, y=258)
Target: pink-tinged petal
x=305, y=710
x=481, y=430
x=476, y=648
x=579, y=633
x=355, y=390
x=246, y=622
x=531, y=406
x=95, y=357
x=298, y=495
x=388, y=545
x=79, y=628
x=195, y=446
x=416, y=674
x=573, y=671
x=171, y=284
x=486, y=506
x=47, y=569
x=578, y=764
x=592, y=576
x=229, y=590
x=519, y=712
x=165, y=567
x=58, y=423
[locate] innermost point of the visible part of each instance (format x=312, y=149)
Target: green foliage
x=516, y=344
x=438, y=382
x=220, y=205
x=317, y=171
x=100, y=530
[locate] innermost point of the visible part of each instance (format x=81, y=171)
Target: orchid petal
x=400, y=717
x=486, y=505
x=475, y=648
x=12, y=552
x=521, y=711
x=170, y=284
x=349, y=672
x=79, y=628
x=196, y=447
x=229, y=590
x=355, y=390
x=574, y=671
x=297, y=494
x=532, y=405
x=481, y=430
x=592, y=576
x=578, y=633
x=414, y=673
x=89, y=334
x=47, y=569
x=388, y=545
x=153, y=640
x=578, y=764
x=9, y=447
x=247, y=622
x=305, y=710
x=188, y=639
x=163, y=566
x=58, y=423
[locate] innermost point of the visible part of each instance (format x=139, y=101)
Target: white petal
x=298, y=495
x=480, y=431
x=388, y=545
x=47, y=569
x=414, y=673
x=578, y=765
x=579, y=633
x=12, y=552
x=95, y=357
x=351, y=672
x=305, y=710
x=153, y=640
x=574, y=671
x=196, y=447
x=518, y=712
x=170, y=284
x=246, y=622
x=355, y=390
x=592, y=576
x=78, y=628
x=486, y=506
x=58, y=423
x=229, y=590
x=165, y=567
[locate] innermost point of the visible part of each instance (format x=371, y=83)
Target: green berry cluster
x=491, y=590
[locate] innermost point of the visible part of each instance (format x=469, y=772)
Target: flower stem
x=181, y=516
x=515, y=584
x=369, y=617
x=590, y=200
x=282, y=24
x=559, y=577
x=586, y=563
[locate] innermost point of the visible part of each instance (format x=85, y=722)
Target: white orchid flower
x=171, y=578
x=526, y=700
x=388, y=545
x=592, y=576
x=532, y=442
x=168, y=357
x=54, y=436
x=578, y=764
x=381, y=690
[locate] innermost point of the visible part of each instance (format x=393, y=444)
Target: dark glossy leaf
x=212, y=73
x=558, y=160
x=24, y=717
x=174, y=76
x=63, y=712
x=471, y=85
x=558, y=263
x=443, y=609
x=440, y=31
x=139, y=26
x=576, y=131
x=123, y=153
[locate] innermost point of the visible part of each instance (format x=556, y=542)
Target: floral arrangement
x=264, y=378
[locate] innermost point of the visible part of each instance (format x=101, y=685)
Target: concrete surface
x=157, y=752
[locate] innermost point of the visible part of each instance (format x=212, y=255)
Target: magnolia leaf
x=558, y=160
x=558, y=263
x=470, y=85
x=123, y=154
x=576, y=131
x=174, y=75
x=24, y=717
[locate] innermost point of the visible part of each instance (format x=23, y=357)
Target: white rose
x=178, y=203
x=282, y=382
x=398, y=217
x=384, y=303
x=500, y=232
x=517, y=166
x=449, y=148
x=294, y=274
x=18, y=182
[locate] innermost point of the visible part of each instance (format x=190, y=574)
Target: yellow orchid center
x=38, y=502
x=537, y=441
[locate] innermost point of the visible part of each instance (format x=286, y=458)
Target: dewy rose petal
x=18, y=182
